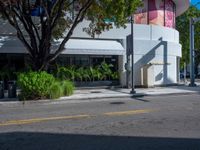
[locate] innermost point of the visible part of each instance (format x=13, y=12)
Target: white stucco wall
x=154, y=45
x=158, y=46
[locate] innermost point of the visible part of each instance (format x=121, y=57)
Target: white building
x=156, y=45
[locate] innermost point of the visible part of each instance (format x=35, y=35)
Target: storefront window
x=156, y=12
x=169, y=13
x=140, y=17
x=81, y=61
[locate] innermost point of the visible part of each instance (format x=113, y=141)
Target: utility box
x=147, y=75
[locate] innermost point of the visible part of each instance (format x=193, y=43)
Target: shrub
x=35, y=85
x=89, y=73
x=115, y=76
x=79, y=74
x=68, y=88
x=60, y=73
x=106, y=70
x=55, y=91
x=66, y=73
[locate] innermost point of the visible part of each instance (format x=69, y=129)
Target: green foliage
x=106, y=70
x=59, y=19
x=55, y=90
x=115, y=75
x=41, y=85
x=7, y=73
x=35, y=85
x=68, y=88
x=66, y=73
x=182, y=25
x=2, y=75
x=79, y=74
x=106, y=13
x=96, y=73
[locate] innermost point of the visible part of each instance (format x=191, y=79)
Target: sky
x=195, y=1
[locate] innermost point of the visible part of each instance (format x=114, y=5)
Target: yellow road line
x=34, y=120
x=131, y=112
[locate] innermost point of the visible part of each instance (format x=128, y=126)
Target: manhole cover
x=117, y=103
x=95, y=92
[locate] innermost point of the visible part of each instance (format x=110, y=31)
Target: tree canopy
x=59, y=18
x=182, y=25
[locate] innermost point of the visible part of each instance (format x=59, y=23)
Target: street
x=169, y=122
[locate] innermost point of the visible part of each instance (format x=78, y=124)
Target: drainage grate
x=117, y=103
x=95, y=92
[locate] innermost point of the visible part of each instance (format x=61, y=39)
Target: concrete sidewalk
x=102, y=93
x=122, y=92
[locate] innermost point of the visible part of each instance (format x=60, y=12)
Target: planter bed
x=96, y=83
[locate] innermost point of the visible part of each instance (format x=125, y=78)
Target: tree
x=59, y=18
x=182, y=25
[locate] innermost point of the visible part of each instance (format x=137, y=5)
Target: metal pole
x=184, y=72
x=132, y=58
x=128, y=68
x=192, y=78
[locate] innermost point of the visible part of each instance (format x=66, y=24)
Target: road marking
x=131, y=112
x=36, y=120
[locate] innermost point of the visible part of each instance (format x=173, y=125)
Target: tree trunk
x=38, y=64
x=40, y=61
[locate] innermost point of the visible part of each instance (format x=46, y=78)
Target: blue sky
x=195, y=1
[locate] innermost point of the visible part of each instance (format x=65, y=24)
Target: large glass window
x=140, y=17
x=156, y=12
x=169, y=14
x=87, y=60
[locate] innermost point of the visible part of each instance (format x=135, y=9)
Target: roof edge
x=181, y=6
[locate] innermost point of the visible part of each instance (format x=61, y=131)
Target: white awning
x=93, y=47
x=10, y=44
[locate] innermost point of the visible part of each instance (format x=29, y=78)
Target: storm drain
x=117, y=103
x=95, y=92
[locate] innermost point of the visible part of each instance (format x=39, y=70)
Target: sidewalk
x=122, y=92
x=102, y=93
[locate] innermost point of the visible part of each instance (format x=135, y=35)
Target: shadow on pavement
x=140, y=99
x=48, y=141
x=195, y=89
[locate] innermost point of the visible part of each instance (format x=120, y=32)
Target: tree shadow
x=141, y=99
x=51, y=141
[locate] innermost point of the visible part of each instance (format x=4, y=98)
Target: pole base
x=132, y=91
x=192, y=85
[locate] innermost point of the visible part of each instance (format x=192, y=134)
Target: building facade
x=156, y=45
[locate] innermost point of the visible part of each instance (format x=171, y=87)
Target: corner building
x=157, y=50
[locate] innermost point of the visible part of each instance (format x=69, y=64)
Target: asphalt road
x=148, y=123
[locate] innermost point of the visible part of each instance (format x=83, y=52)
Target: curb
x=69, y=100
x=89, y=99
